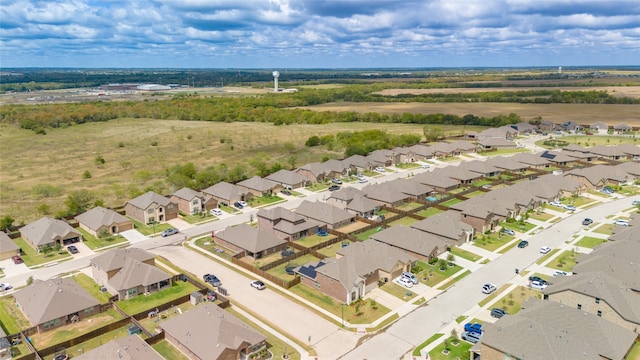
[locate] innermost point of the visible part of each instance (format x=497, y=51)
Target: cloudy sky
x=318, y=33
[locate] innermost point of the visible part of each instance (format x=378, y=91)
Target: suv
x=212, y=279
x=336, y=181
x=334, y=187
x=538, y=279
x=488, y=288
x=523, y=244
x=170, y=232
x=404, y=282
x=587, y=221
x=497, y=313
x=238, y=205
x=472, y=337
x=410, y=277
x=509, y=232
x=545, y=250
x=473, y=327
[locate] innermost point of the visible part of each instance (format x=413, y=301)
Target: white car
x=488, y=288
x=560, y=273
x=556, y=203
x=404, y=282
x=257, y=284
x=216, y=212
x=425, y=166
x=410, y=277
x=5, y=286
x=244, y=204
x=545, y=249
x=380, y=169
x=537, y=285
x=622, y=222
x=362, y=180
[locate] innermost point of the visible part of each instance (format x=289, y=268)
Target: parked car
x=334, y=187
x=545, y=249
x=560, y=273
x=523, y=244
x=556, y=203
x=473, y=327
x=380, y=169
x=570, y=207
x=72, y=249
x=607, y=190
x=410, y=276
x=587, y=221
x=472, y=337
x=360, y=175
x=258, y=285
x=497, y=313
x=488, y=288
x=5, y=287
x=404, y=282
x=170, y=232
x=244, y=204
x=238, y=205
x=537, y=285
x=509, y=232
x=16, y=259
x=285, y=192
x=538, y=279
x=212, y=279
x=621, y=222
x=635, y=203
x=336, y=181
x=362, y=180
x=216, y=212
x=425, y=166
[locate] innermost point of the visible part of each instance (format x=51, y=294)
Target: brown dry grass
x=619, y=91
x=612, y=114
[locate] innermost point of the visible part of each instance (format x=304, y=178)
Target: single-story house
x=357, y=164
x=489, y=143
x=99, y=220
x=599, y=128
x=572, y=127
x=531, y=160
x=412, y=188
x=386, y=193
x=48, y=231
x=440, y=182
x=383, y=158
x=8, y=247
x=622, y=128
x=193, y=202
x=483, y=168
x=313, y=172
x=208, y=332
x=447, y=226
x=287, y=224
x=54, y=303
x=288, y=179
x=255, y=242
x=150, y=207
x=507, y=164
x=355, y=270
x=259, y=186
x=226, y=193
x=558, y=158
x=324, y=213
x=460, y=174
x=131, y=347
x=421, y=245
x=598, y=176
x=610, y=152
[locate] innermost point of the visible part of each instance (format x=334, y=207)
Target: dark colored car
x=538, y=279
x=212, y=279
x=523, y=244
x=336, y=181
x=473, y=327
x=472, y=337
x=72, y=249
x=497, y=313
x=238, y=205
x=587, y=221
x=285, y=192
x=170, y=232
x=16, y=259
x=334, y=187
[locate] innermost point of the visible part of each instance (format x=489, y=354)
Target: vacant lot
x=620, y=91
x=581, y=113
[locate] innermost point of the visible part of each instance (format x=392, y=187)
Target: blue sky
x=318, y=33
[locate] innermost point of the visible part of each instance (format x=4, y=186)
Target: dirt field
x=581, y=113
x=619, y=91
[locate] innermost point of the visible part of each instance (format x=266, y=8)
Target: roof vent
x=585, y=314
x=499, y=328
x=59, y=290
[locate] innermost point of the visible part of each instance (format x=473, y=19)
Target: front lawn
x=96, y=242
x=460, y=351
x=209, y=245
x=512, y=302
x=565, y=261
x=150, y=229
x=518, y=226
x=359, y=312
x=432, y=275
x=464, y=254
x=398, y=291
x=540, y=216
x=430, y=211
x=265, y=200
x=92, y=288
x=493, y=241
x=144, y=302
x=196, y=218
x=31, y=257
x=547, y=256
x=590, y=242
x=606, y=229
x=434, y=337
x=454, y=280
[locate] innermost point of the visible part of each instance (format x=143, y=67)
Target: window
x=597, y=300
x=150, y=211
x=170, y=207
x=195, y=202
x=599, y=313
x=579, y=306
x=89, y=310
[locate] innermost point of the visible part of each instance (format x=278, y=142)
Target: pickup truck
x=473, y=327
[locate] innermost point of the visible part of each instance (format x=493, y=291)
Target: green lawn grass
x=491, y=297
x=456, y=251
x=197, y=218
x=265, y=200
x=405, y=220
x=565, y=261
x=208, y=244
x=605, y=229
x=493, y=241
x=434, y=275
x=430, y=211
x=451, y=202
x=503, y=151
x=461, y=318
x=92, y=288
x=454, y=280
x=96, y=243
x=590, y=242
x=31, y=257
x=145, y=302
x=330, y=251
x=312, y=240
x=508, y=247
x=280, y=270
x=95, y=342
x=541, y=216
x=474, y=194
x=635, y=351
x=409, y=206
x=547, y=256
x=434, y=337
x=481, y=183
x=168, y=351
x=11, y=318
x=518, y=226
x=365, y=235
x=461, y=351
x=151, y=229
x=398, y=291
x=512, y=302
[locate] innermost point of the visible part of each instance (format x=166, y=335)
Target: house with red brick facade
x=193, y=202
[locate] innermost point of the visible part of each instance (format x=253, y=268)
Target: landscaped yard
x=451, y=202
x=150, y=324
x=460, y=351
x=481, y=183
x=504, y=151
x=540, y=216
x=12, y=319
x=576, y=201
x=406, y=221
x=31, y=257
x=209, y=245
x=312, y=240
x=474, y=194
x=456, y=251
x=280, y=270
x=416, y=351
x=454, y=280
x=96, y=243
x=429, y=212
x=399, y=291
x=92, y=288
x=565, y=261
x=257, y=201
x=512, y=302
x=493, y=241
x=197, y=218
x=168, y=351
x=145, y=302
x=518, y=226
x=431, y=275
x=362, y=312
x=590, y=242
x=149, y=229
x=547, y=256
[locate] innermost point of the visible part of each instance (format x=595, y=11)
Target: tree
x=433, y=133
x=312, y=141
x=451, y=258
x=6, y=222
x=46, y=249
x=78, y=201
x=44, y=209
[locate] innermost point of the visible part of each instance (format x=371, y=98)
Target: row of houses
x=592, y=314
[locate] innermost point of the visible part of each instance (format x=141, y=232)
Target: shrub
x=86, y=174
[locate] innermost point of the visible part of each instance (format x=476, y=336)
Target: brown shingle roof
x=98, y=217
x=131, y=347
x=116, y=258
x=135, y=273
x=249, y=238
x=45, y=230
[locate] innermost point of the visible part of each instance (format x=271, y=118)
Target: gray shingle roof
x=188, y=194
x=225, y=190
x=116, y=258
x=447, y=224
x=546, y=330
x=207, y=331
x=323, y=212
x=530, y=159
x=435, y=179
x=48, y=300
x=259, y=184
x=135, y=273
x=6, y=244
x=249, y=238
x=131, y=347
x=45, y=230
x=362, y=204
x=416, y=241
x=98, y=217
x=145, y=200
x=287, y=177
x=384, y=192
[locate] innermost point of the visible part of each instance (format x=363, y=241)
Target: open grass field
x=612, y=114
x=620, y=91
x=44, y=169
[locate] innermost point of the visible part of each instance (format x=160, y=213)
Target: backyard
x=168, y=351
x=208, y=244
x=150, y=323
x=365, y=234
x=430, y=211
x=12, y=319
x=330, y=251
x=145, y=302
x=95, y=342
x=92, y=288
x=280, y=271
x=312, y=240
x=405, y=220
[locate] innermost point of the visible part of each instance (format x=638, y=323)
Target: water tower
x=560, y=70
x=276, y=75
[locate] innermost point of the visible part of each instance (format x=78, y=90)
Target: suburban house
x=600, y=294
x=99, y=220
x=356, y=270
x=572, y=127
x=550, y=187
x=354, y=201
x=208, y=332
x=287, y=224
x=632, y=168
x=51, y=232
x=479, y=216
x=358, y=163
x=447, y=226
x=437, y=180
x=490, y=143
x=8, y=247
x=288, y=179
x=524, y=128
x=531, y=160
x=386, y=194
x=552, y=331
x=312, y=172
x=409, y=187
x=631, y=151
x=259, y=186
x=128, y=272
x=460, y=174
x=598, y=176
x=599, y=128
x=226, y=193
x=610, y=152
x=131, y=347
x=622, y=128
x=481, y=167
x=405, y=154
x=558, y=158
x=255, y=242
x=502, y=132
x=617, y=258
x=151, y=207
x=383, y=158
x=546, y=125
x=507, y=164
x=419, y=244
x=325, y=213
x=193, y=202
x=335, y=169
x=55, y=302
